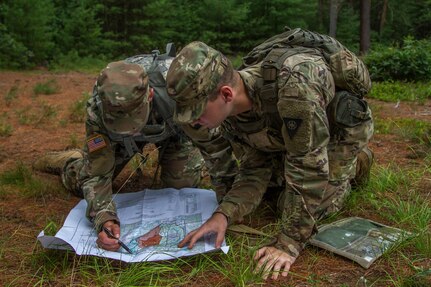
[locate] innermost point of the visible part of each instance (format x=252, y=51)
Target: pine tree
x=30, y=24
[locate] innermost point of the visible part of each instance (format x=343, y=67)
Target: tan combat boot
x=53, y=162
x=363, y=167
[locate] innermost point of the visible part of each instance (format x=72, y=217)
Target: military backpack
x=350, y=75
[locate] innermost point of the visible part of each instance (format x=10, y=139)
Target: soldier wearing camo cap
x=129, y=109
x=282, y=134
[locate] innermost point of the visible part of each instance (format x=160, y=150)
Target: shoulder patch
x=95, y=143
x=292, y=126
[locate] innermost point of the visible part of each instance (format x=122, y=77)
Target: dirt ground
x=23, y=218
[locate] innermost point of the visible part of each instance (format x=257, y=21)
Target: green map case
x=361, y=240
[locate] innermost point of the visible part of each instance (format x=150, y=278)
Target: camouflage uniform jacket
x=270, y=150
x=101, y=167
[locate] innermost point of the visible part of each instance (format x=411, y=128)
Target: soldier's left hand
x=273, y=259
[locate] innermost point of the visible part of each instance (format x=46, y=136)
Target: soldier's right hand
x=104, y=241
x=217, y=223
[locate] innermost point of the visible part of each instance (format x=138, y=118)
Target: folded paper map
x=153, y=222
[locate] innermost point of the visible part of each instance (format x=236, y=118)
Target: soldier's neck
x=242, y=102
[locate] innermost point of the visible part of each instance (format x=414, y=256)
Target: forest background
x=60, y=33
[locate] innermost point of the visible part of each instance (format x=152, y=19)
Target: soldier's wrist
x=104, y=216
x=222, y=214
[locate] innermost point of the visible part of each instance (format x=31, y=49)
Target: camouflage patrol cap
x=123, y=90
x=192, y=77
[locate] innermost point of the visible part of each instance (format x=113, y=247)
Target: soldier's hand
x=273, y=259
x=103, y=240
x=217, y=223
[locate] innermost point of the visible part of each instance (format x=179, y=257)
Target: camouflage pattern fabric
x=92, y=176
x=181, y=163
x=198, y=78
x=296, y=146
x=123, y=91
x=145, y=61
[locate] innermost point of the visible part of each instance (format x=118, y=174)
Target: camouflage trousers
x=299, y=211
x=181, y=166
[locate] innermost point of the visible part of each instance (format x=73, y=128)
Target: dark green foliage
x=13, y=54
x=348, y=28
x=78, y=28
x=30, y=24
x=411, y=61
x=72, y=61
x=59, y=33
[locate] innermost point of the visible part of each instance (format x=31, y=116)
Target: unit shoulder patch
x=292, y=126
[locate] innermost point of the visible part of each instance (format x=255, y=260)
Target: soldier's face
x=215, y=113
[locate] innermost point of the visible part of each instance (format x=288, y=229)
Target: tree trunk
x=383, y=16
x=320, y=14
x=365, y=26
x=334, y=7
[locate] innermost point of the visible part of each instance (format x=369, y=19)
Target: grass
x=11, y=95
x=232, y=269
x=391, y=193
x=49, y=87
x=78, y=110
x=41, y=113
x=416, y=131
x=6, y=129
x=31, y=186
x=74, y=142
x=401, y=91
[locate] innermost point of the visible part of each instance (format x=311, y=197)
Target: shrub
x=13, y=54
x=72, y=61
x=411, y=61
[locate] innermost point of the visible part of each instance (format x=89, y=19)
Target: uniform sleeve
x=304, y=92
x=96, y=176
x=249, y=186
x=218, y=155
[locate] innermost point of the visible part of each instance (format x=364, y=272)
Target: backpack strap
x=163, y=104
x=271, y=65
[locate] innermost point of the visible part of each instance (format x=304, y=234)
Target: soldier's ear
x=150, y=95
x=227, y=93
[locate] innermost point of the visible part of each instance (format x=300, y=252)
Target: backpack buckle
x=269, y=73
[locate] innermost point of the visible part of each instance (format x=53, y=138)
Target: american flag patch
x=95, y=143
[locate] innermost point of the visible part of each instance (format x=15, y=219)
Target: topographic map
x=153, y=222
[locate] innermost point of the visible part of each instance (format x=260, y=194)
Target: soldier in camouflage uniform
x=294, y=144
x=129, y=109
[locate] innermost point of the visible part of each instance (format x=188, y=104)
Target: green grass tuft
x=31, y=186
x=47, y=88
x=11, y=95
x=401, y=91
x=78, y=110
x=42, y=113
